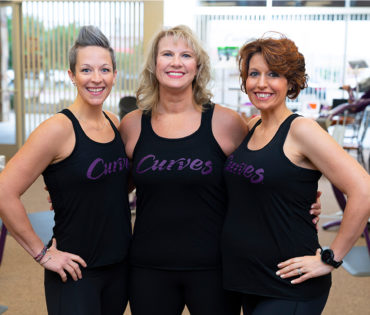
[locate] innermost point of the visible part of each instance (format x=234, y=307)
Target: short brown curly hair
x=282, y=56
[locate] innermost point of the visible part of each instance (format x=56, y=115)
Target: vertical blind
x=49, y=30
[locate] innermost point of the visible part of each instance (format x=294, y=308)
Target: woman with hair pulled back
x=82, y=158
x=178, y=141
x=271, y=253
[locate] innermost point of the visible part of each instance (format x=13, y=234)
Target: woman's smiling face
x=265, y=88
x=176, y=64
x=94, y=75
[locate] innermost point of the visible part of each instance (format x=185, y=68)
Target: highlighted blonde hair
x=147, y=94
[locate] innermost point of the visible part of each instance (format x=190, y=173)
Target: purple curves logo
x=150, y=163
x=248, y=171
x=99, y=167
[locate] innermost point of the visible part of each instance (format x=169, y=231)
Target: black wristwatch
x=327, y=257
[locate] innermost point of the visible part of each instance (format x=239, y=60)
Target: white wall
x=180, y=12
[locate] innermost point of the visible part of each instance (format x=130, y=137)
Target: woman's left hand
x=306, y=267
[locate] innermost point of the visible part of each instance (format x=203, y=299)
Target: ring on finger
x=299, y=271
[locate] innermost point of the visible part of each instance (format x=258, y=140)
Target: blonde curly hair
x=147, y=94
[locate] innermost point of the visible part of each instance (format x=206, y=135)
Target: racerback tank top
x=181, y=198
x=90, y=198
x=268, y=220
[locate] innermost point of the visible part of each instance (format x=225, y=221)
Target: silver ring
x=299, y=271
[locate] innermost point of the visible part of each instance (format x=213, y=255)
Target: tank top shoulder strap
x=79, y=133
x=69, y=114
x=207, y=114
x=250, y=133
x=76, y=125
x=146, y=122
x=112, y=124
x=283, y=130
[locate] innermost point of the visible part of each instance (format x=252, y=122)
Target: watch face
x=327, y=255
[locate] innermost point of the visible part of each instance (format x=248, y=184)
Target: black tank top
x=89, y=194
x=181, y=198
x=268, y=220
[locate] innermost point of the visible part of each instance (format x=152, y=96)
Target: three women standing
x=178, y=142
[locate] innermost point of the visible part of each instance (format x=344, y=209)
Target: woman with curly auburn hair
x=271, y=178
x=281, y=55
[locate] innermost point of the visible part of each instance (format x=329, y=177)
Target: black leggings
x=261, y=305
x=165, y=292
x=101, y=291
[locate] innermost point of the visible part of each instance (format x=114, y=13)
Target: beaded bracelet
x=41, y=254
